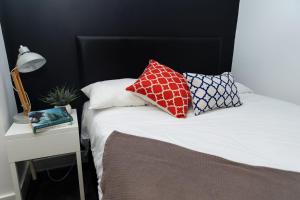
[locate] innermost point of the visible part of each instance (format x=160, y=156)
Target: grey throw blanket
x=136, y=168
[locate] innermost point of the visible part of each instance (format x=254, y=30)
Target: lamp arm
x=11, y=73
x=18, y=86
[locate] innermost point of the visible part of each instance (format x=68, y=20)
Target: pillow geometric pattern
x=163, y=87
x=212, y=92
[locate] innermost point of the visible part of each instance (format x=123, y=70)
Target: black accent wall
x=50, y=27
x=1, y=10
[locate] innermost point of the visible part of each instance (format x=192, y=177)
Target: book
x=52, y=127
x=46, y=119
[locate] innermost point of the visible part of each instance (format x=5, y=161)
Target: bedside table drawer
x=42, y=146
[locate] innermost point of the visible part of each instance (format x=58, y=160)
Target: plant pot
x=68, y=108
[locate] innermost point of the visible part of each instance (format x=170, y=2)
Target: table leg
x=80, y=177
x=32, y=170
x=15, y=180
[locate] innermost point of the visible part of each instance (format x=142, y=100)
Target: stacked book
x=51, y=118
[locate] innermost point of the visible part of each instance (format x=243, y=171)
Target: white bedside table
x=22, y=144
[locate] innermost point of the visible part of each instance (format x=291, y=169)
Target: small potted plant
x=61, y=97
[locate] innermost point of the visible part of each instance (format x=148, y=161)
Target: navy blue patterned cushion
x=212, y=92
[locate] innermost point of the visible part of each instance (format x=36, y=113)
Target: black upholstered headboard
x=105, y=58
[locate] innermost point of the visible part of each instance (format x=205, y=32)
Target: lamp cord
x=27, y=97
x=11, y=71
x=28, y=100
x=63, y=177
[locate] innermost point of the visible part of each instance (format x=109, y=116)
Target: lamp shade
x=29, y=61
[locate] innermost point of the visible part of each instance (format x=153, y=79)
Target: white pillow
x=111, y=93
x=242, y=88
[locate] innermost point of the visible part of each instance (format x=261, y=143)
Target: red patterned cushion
x=163, y=87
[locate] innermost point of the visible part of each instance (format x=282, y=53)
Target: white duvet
x=262, y=132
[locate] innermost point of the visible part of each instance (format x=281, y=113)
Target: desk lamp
x=27, y=62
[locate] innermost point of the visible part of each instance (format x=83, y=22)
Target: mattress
x=263, y=132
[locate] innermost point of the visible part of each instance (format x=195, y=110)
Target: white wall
x=7, y=110
x=267, y=47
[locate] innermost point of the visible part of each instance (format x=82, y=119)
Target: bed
x=263, y=133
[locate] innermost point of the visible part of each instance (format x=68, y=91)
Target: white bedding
x=262, y=132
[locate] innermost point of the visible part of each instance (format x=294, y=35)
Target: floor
x=68, y=189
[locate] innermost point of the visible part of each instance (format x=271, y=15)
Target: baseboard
x=24, y=181
x=8, y=196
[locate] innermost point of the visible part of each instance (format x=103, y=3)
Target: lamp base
x=21, y=119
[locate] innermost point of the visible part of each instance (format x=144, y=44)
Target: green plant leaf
x=60, y=96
